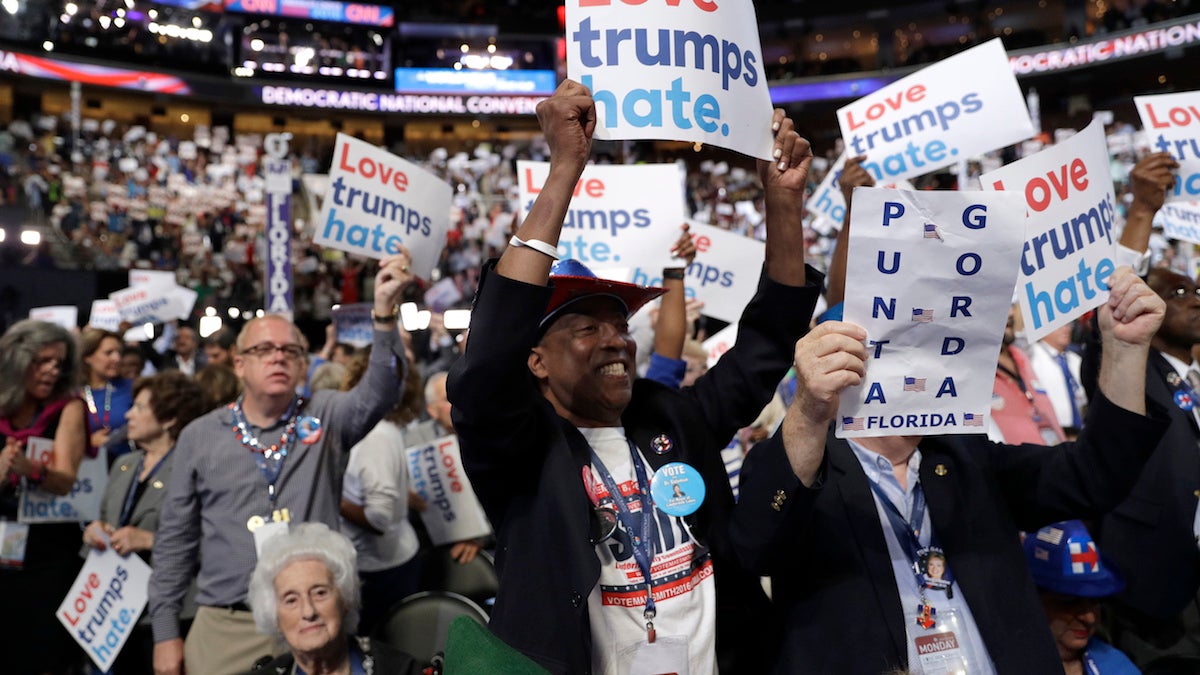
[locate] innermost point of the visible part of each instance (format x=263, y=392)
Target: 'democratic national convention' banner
x=955, y=109
x=687, y=70
x=620, y=217
x=929, y=276
x=1172, y=123
x=1069, y=248
x=377, y=202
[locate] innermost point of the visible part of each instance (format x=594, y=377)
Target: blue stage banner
x=449, y=80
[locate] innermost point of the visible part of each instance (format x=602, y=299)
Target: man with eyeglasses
x=1152, y=536
x=245, y=471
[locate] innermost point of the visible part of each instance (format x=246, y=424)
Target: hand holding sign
x=1128, y=321
x=792, y=157
x=784, y=182
x=1152, y=177
x=854, y=175
x=829, y=359
x=1133, y=312
x=568, y=120
x=395, y=272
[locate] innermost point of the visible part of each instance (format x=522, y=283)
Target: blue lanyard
x=908, y=533
x=643, y=544
x=127, y=509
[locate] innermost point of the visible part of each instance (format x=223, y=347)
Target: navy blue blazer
x=833, y=586
x=525, y=463
x=1149, y=535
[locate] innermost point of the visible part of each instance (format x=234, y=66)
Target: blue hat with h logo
x=1063, y=559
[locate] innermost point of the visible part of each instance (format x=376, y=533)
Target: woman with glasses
x=39, y=369
x=162, y=405
x=106, y=394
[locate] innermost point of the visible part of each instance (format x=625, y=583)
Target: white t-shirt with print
x=684, y=591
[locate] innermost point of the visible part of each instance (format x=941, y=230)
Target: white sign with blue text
x=353, y=325
x=1172, y=125
x=1180, y=220
x=80, y=505
x=950, y=111
x=452, y=512
x=105, y=316
x=725, y=273
x=1069, y=248
x=66, y=316
x=378, y=202
x=929, y=276
x=620, y=216
x=683, y=71
x=105, y=602
x=827, y=200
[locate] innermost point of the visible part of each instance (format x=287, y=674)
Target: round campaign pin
x=1184, y=401
x=661, y=444
x=308, y=430
x=677, y=489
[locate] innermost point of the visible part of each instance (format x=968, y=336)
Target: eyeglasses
x=1184, y=292
x=265, y=349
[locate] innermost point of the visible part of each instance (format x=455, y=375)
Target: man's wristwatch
x=386, y=318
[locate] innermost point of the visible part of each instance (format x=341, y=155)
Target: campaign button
x=677, y=489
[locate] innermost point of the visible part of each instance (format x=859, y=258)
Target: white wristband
x=535, y=244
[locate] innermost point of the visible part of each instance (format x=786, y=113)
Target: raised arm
x=671, y=330
x=1152, y=176
x=779, y=480
x=1128, y=322
x=853, y=175
x=784, y=181
x=357, y=410
x=568, y=119
x=829, y=359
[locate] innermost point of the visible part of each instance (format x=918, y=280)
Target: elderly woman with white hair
x=304, y=591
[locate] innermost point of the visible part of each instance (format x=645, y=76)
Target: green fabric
x=471, y=649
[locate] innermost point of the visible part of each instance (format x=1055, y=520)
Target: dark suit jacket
x=832, y=580
x=145, y=509
x=120, y=477
x=1149, y=535
x=385, y=660
x=526, y=462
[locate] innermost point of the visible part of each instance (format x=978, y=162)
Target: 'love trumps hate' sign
x=683, y=70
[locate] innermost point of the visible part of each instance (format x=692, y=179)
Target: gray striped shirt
x=216, y=488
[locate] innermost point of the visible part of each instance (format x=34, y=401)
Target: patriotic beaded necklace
x=248, y=440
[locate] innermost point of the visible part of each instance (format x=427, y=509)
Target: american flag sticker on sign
x=922, y=315
x=972, y=420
